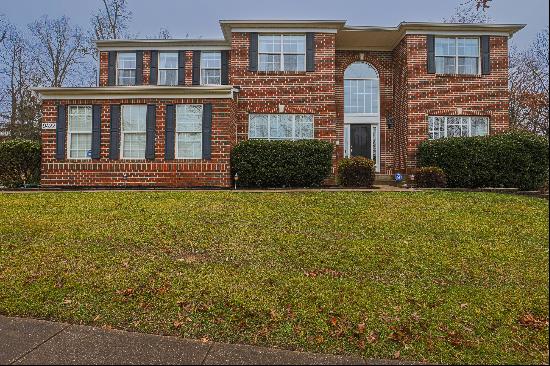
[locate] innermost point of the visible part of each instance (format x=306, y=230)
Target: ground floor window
x=79, y=137
x=133, y=137
x=280, y=126
x=456, y=126
x=189, y=131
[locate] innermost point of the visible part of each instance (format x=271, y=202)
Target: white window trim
x=135, y=69
x=352, y=115
x=456, y=56
x=269, y=138
x=176, y=141
x=445, y=124
x=282, y=53
x=164, y=68
x=122, y=133
x=69, y=133
x=210, y=68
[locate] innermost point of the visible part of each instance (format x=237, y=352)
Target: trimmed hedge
x=262, y=163
x=356, y=172
x=19, y=163
x=430, y=177
x=513, y=159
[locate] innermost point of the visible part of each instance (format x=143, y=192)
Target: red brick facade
x=408, y=95
x=152, y=173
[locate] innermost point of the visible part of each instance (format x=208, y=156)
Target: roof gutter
x=142, y=91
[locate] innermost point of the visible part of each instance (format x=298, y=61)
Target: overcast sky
x=200, y=17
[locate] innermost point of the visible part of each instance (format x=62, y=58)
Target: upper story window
x=457, y=55
x=457, y=126
x=361, y=89
x=211, y=68
x=280, y=126
x=133, y=135
x=79, y=136
x=126, y=68
x=282, y=52
x=168, y=68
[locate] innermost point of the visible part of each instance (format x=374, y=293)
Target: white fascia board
x=284, y=30
x=149, y=92
x=165, y=48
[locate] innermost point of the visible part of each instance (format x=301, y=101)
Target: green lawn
x=443, y=277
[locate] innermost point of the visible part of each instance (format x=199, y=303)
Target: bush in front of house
x=19, y=162
x=430, y=177
x=262, y=163
x=356, y=172
x=514, y=159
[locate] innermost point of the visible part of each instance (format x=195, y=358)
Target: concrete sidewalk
x=30, y=341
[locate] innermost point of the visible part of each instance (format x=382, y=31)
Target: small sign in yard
x=48, y=126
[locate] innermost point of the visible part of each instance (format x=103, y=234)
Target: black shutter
x=114, y=150
x=431, y=54
x=96, y=131
x=139, y=67
x=169, y=132
x=207, y=131
x=485, y=55
x=253, y=52
x=310, y=51
x=181, y=68
x=153, y=68
x=61, y=132
x=150, y=122
x=196, y=67
x=225, y=67
x=111, y=65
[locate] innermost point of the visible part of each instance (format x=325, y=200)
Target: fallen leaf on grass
x=530, y=321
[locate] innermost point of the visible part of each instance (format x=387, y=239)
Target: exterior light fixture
x=236, y=178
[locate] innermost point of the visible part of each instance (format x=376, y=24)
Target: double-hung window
x=280, y=126
x=168, y=68
x=189, y=131
x=211, y=68
x=457, y=126
x=457, y=55
x=79, y=136
x=133, y=136
x=126, y=68
x=282, y=52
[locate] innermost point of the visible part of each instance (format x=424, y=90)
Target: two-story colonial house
x=168, y=112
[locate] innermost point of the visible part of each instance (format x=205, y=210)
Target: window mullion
x=281, y=67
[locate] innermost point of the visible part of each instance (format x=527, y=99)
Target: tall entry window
x=362, y=112
x=361, y=89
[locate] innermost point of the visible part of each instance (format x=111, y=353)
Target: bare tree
x=111, y=21
x=471, y=11
x=529, y=78
x=59, y=49
x=20, y=108
x=3, y=28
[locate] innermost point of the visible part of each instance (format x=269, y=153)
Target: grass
x=442, y=277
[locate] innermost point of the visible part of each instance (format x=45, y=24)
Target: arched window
x=361, y=89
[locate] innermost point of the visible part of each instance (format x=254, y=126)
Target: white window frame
x=269, y=138
x=122, y=132
x=282, y=53
x=210, y=68
x=117, y=68
x=445, y=124
x=166, y=68
x=456, y=56
x=176, y=133
x=377, y=114
x=69, y=133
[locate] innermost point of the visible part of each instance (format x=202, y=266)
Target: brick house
x=168, y=112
